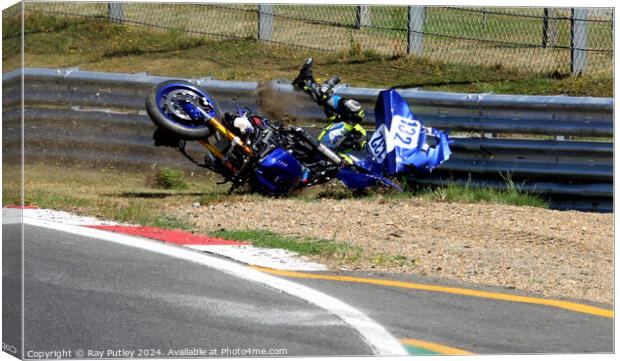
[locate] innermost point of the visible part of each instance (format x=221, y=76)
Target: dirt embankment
x=558, y=254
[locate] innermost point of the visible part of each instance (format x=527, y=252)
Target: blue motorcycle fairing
x=366, y=174
x=356, y=180
x=434, y=156
x=188, y=108
x=400, y=139
x=277, y=173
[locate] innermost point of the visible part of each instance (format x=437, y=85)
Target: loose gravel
x=563, y=254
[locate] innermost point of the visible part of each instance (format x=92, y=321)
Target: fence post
x=265, y=22
x=415, y=27
x=362, y=16
x=550, y=28
x=578, y=40
x=115, y=12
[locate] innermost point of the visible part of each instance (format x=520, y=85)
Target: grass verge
x=101, y=46
x=325, y=249
x=457, y=193
x=123, y=196
x=134, y=211
x=452, y=192
x=301, y=245
x=131, y=196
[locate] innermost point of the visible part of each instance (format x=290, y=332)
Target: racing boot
x=305, y=79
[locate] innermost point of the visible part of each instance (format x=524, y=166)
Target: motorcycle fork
x=235, y=141
x=218, y=154
x=227, y=133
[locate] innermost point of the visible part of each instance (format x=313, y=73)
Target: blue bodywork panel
x=356, y=179
x=278, y=172
x=400, y=140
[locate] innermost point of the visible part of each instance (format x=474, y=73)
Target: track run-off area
x=90, y=287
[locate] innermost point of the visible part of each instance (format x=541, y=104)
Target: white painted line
x=11, y=214
x=377, y=337
x=265, y=257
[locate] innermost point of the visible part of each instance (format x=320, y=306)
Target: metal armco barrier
x=80, y=116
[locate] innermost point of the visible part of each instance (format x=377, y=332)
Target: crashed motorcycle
x=274, y=159
x=247, y=149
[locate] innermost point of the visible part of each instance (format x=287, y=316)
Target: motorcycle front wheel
x=172, y=106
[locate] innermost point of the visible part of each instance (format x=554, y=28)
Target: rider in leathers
x=344, y=132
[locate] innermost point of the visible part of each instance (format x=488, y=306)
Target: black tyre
x=163, y=105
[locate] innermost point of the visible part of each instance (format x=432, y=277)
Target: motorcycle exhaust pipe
x=328, y=153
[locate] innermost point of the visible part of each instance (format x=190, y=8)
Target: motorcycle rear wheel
x=167, y=115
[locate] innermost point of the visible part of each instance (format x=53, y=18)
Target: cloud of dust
x=275, y=105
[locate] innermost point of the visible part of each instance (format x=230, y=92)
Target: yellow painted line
x=571, y=306
x=435, y=347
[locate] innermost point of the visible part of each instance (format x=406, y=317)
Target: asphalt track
x=470, y=324
x=95, y=295
x=83, y=293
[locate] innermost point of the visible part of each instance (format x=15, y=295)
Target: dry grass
x=454, y=27
x=558, y=254
x=125, y=195
x=98, y=45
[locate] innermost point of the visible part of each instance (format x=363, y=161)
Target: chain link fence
x=545, y=40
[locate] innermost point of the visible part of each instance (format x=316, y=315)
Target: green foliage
x=137, y=212
x=512, y=194
x=45, y=199
x=171, y=179
x=10, y=196
x=134, y=211
x=315, y=247
x=301, y=245
x=355, y=48
x=169, y=222
x=383, y=259
x=40, y=23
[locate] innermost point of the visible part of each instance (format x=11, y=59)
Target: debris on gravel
x=563, y=254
